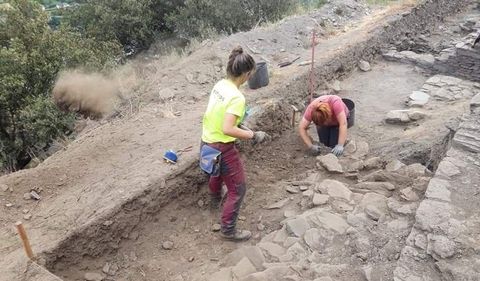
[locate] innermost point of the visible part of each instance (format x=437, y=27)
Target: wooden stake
x=24, y=237
x=312, y=73
x=295, y=110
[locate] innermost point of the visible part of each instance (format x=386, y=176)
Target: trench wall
x=462, y=61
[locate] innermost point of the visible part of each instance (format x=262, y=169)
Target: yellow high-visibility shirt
x=224, y=98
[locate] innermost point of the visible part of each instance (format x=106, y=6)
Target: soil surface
x=188, y=221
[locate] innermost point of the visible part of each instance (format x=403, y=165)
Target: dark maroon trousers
x=233, y=175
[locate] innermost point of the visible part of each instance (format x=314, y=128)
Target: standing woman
x=225, y=112
x=330, y=114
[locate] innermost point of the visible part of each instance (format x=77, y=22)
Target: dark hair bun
x=239, y=62
x=237, y=51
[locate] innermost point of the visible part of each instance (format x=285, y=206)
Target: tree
x=31, y=55
x=197, y=18
x=130, y=22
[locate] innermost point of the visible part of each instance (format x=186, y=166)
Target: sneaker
x=239, y=235
x=215, y=203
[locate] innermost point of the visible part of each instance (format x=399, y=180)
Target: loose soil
x=198, y=251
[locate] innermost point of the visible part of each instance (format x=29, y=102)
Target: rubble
x=331, y=163
x=404, y=116
x=167, y=245
x=364, y=66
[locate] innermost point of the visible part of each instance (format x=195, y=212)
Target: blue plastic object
x=170, y=156
x=209, y=160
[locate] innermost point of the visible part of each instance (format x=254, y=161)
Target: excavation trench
x=174, y=208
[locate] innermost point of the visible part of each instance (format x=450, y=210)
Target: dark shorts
x=328, y=135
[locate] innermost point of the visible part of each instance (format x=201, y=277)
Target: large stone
x=362, y=149
x=297, y=226
x=475, y=104
x=402, y=209
x=385, y=176
x=373, y=212
x=357, y=220
x=415, y=170
x=330, y=162
x=350, y=148
x=418, y=98
x=243, y=268
x=341, y=206
x=308, y=193
x=293, y=189
x=416, y=115
x=441, y=246
x=4, y=187
x=447, y=169
x=280, y=235
x=364, y=66
x=397, y=117
x=320, y=199
x=399, y=226
x=374, y=199
x=329, y=221
x=431, y=214
x=373, y=163
x=335, y=189
x=272, y=249
x=253, y=253
x=297, y=250
x=421, y=183
x=468, y=136
x=443, y=94
x=409, y=194
x=460, y=270
x=317, y=239
x=437, y=189
x=383, y=188
x=355, y=166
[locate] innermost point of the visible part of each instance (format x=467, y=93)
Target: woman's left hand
x=338, y=150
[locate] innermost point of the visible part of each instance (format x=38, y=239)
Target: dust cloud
x=90, y=94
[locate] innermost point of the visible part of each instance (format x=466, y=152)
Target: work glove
x=314, y=150
x=260, y=136
x=338, y=150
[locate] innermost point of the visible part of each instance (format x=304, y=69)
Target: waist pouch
x=210, y=159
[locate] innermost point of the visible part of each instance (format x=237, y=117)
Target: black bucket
x=351, y=108
x=260, y=77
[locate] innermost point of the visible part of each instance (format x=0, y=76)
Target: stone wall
x=444, y=242
x=462, y=61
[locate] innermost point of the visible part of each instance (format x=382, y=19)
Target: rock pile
x=342, y=224
x=443, y=243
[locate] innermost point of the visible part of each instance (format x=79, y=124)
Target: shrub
x=31, y=55
x=199, y=17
